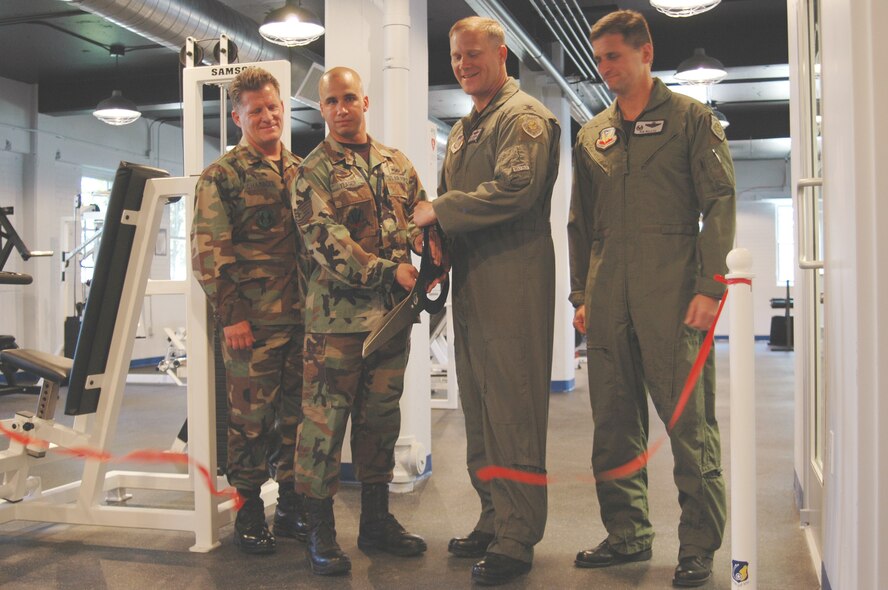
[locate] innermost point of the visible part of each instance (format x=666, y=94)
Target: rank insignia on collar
x=532, y=126
x=649, y=127
x=475, y=135
x=607, y=138
x=456, y=144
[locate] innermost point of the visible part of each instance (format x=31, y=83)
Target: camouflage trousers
x=264, y=405
x=338, y=383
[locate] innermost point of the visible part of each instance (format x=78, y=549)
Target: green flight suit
x=249, y=259
x=495, y=195
x=356, y=220
x=638, y=256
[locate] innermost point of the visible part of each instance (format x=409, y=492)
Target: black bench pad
x=49, y=366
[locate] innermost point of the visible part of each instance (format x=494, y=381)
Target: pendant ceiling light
x=678, y=8
x=291, y=25
x=117, y=109
x=700, y=69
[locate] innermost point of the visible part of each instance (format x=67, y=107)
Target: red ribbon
x=638, y=463
x=139, y=456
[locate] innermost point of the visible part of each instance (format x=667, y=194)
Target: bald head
x=339, y=74
x=343, y=105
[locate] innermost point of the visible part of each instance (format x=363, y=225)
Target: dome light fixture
x=700, y=69
x=679, y=8
x=117, y=109
x=291, y=25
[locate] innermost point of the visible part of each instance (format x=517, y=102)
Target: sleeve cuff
x=388, y=274
x=233, y=314
x=577, y=298
x=709, y=287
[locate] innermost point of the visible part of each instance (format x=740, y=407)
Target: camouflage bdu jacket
x=245, y=249
x=357, y=224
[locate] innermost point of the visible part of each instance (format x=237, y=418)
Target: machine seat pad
x=48, y=366
x=14, y=278
x=7, y=341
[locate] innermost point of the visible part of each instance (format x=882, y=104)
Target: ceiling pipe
x=582, y=39
x=583, y=29
x=526, y=49
x=569, y=48
x=578, y=38
x=170, y=22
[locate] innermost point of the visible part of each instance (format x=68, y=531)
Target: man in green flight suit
x=494, y=203
x=645, y=171
x=248, y=258
x=353, y=199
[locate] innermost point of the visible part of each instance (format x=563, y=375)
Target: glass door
x=810, y=275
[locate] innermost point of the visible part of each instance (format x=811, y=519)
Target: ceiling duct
x=170, y=22
x=527, y=50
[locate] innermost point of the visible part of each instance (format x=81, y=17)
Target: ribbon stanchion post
x=744, y=529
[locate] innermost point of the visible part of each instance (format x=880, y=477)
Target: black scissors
x=406, y=312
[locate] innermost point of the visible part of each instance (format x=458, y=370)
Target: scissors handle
x=428, y=272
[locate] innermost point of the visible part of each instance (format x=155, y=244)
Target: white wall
x=757, y=232
x=855, y=210
x=42, y=159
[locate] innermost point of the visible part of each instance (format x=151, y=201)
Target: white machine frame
x=82, y=502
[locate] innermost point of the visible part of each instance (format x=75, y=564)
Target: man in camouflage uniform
x=642, y=267
x=353, y=199
x=246, y=255
x=494, y=203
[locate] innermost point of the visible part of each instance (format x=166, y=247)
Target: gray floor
x=34, y=555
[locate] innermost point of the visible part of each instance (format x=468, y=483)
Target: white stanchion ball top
x=739, y=260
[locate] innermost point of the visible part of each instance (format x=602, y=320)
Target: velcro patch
x=606, y=139
x=475, y=135
x=303, y=210
x=532, y=126
x=649, y=127
x=717, y=128
x=456, y=144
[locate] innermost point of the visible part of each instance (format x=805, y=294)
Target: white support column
x=396, y=81
x=744, y=528
x=541, y=87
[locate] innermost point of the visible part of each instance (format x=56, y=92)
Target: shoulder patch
x=303, y=210
x=532, y=125
x=457, y=143
x=607, y=138
x=717, y=128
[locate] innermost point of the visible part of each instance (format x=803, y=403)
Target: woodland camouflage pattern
x=355, y=237
x=242, y=240
x=356, y=222
x=249, y=259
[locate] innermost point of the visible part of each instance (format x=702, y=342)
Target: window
x=179, y=247
x=94, y=196
x=785, y=225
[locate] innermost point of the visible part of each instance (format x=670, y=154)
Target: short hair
x=250, y=79
x=628, y=23
x=480, y=24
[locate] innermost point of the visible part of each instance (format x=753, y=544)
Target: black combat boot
x=251, y=533
x=324, y=555
x=379, y=529
x=290, y=519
